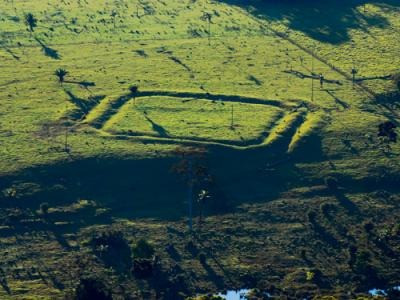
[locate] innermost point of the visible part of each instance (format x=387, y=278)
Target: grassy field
x=246, y=87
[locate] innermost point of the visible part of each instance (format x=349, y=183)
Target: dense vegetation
x=276, y=122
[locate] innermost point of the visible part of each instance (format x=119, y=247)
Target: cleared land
x=101, y=156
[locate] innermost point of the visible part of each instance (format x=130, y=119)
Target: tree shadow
x=84, y=105
x=3, y=282
x=325, y=21
x=351, y=208
x=157, y=128
x=214, y=277
x=47, y=51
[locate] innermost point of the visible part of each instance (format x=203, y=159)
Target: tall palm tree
x=61, y=73
x=30, y=21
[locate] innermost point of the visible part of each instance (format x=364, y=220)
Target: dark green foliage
x=109, y=239
x=90, y=289
x=143, y=249
x=114, y=250
x=386, y=130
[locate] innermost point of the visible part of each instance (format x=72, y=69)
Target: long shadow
x=47, y=51
x=85, y=84
x=325, y=21
x=214, y=277
x=351, y=208
x=3, y=282
x=313, y=76
x=157, y=128
x=83, y=105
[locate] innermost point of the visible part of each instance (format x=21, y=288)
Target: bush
x=90, y=288
x=112, y=239
x=114, y=250
x=143, y=249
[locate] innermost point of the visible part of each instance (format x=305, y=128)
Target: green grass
x=193, y=119
x=122, y=149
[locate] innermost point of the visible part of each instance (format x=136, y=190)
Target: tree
x=202, y=197
x=31, y=22
x=192, y=172
x=61, y=73
x=113, y=15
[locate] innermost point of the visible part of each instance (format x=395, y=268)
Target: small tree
x=31, y=22
x=191, y=171
x=61, y=73
x=143, y=249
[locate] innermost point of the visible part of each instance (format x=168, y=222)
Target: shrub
x=143, y=249
x=90, y=288
x=114, y=250
x=113, y=239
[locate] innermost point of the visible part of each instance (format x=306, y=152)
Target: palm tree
x=30, y=21
x=61, y=73
x=114, y=14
